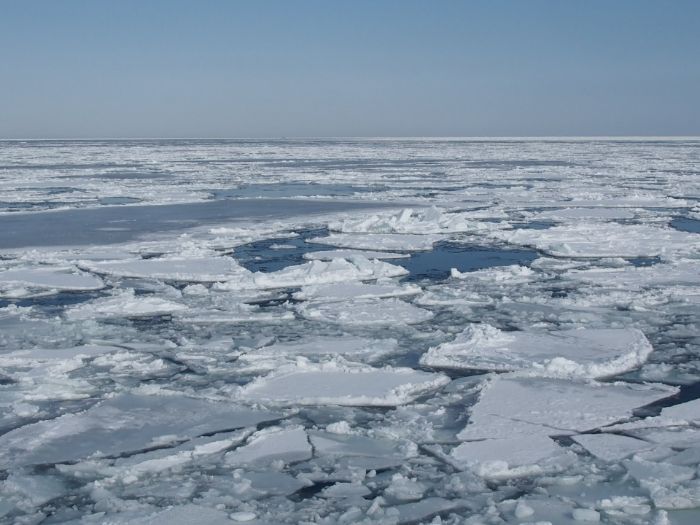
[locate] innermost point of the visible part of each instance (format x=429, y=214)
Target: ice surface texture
x=350, y=331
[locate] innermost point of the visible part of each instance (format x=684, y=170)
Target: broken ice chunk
x=123, y=424
x=511, y=457
x=366, y=312
x=390, y=241
x=125, y=304
x=355, y=347
x=611, y=447
x=327, y=255
x=337, y=384
x=285, y=445
x=354, y=290
x=587, y=352
x=321, y=272
x=408, y=220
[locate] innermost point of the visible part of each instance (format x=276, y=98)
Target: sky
x=302, y=68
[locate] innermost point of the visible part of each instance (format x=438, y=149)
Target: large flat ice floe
x=510, y=406
x=510, y=428
x=605, y=240
x=123, y=424
x=585, y=352
x=193, y=269
x=336, y=384
x=686, y=273
x=51, y=278
x=365, y=312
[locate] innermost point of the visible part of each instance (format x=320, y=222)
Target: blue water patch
x=643, y=261
x=271, y=255
x=437, y=263
x=533, y=225
x=686, y=224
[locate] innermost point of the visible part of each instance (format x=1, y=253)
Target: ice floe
x=270, y=445
x=327, y=255
x=336, y=384
x=605, y=240
x=585, y=352
x=52, y=278
x=510, y=406
x=195, y=269
x=409, y=220
x=354, y=290
x=346, y=346
x=365, y=312
x=125, y=304
x=123, y=424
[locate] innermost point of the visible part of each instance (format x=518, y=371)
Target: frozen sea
x=350, y=331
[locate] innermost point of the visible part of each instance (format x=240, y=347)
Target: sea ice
x=409, y=220
x=354, y=290
x=511, y=406
x=194, y=269
x=123, y=424
x=322, y=272
x=604, y=240
x=611, y=447
x=270, y=445
x=346, y=346
x=511, y=457
x=686, y=273
x=389, y=241
x=336, y=384
x=124, y=304
x=365, y=312
x=568, y=214
x=51, y=278
x=586, y=352
x=328, y=255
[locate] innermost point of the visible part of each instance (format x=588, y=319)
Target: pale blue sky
x=137, y=68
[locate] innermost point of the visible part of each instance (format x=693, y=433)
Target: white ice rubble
x=125, y=304
x=584, y=352
x=409, y=221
